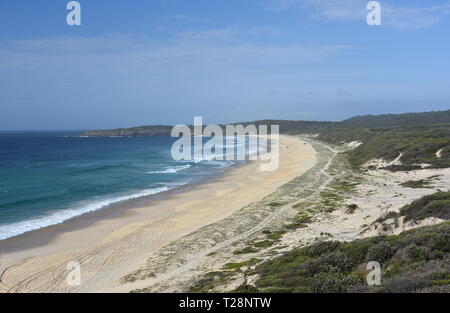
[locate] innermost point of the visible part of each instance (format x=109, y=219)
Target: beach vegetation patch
x=422, y=183
x=275, y=204
x=434, y=205
x=246, y=250
x=276, y=235
x=231, y=266
x=139, y=274
x=414, y=261
x=264, y=243
x=345, y=186
x=250, y=262
x=300, y=221
x=351, y=208
x=210, y=280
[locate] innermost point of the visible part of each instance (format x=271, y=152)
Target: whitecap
x=171, y=170
x=60, y=216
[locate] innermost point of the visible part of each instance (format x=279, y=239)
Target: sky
x=142, y=62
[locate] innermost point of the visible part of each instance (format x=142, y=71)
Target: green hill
x=396, y=120
x=417, y=136
x=294, y=127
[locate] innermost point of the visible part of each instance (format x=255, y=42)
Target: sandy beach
x=111, y=245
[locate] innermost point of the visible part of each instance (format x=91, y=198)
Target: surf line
x=213, y=149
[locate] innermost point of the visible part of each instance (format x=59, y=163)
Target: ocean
x=47, y=178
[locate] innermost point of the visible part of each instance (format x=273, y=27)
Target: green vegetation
x=331, y=200
x=361, y=122
x=422, y=183
x=272, y=238
x=246, y=250
x=134, y=276
x=263, y=243
x=406, y=119
x=275, y=204
x=351, y=208
x=418, y=145
x=211, y=279
x=231, y=266
x=300, y=221
x=418, y=136
x=435, y=205
x=330, y=195
x=415, y=261
x=387, y=216
x=344, y=186
x=276, y=235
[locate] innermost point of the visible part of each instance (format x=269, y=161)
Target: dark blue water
x=47, y=177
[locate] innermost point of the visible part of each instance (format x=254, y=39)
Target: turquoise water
x=47, y=178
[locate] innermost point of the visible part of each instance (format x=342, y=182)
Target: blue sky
x=164, y=61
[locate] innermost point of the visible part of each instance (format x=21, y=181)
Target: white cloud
x=233, y=33
x=139, y=77
x=188, y=49
x=405, y=16
x=186, y=17
x=415, y=17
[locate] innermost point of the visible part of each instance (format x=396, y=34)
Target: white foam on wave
x=220, y=160
x=219, y=163
x=171, y=170
x=58, y=217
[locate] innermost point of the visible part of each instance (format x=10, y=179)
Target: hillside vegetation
x=392, y=120
x=295, y=127
x=419, y=145
x=417, y=260
x=414, y=261
x=434, y=205
x=417, y=136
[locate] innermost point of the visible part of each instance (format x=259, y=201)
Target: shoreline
x=134, y=233
x=82, y=219
x=44, y=235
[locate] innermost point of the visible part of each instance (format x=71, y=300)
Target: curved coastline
x=45, y=234
x=132, y=234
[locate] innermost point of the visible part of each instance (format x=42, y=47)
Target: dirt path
x=177, y=272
